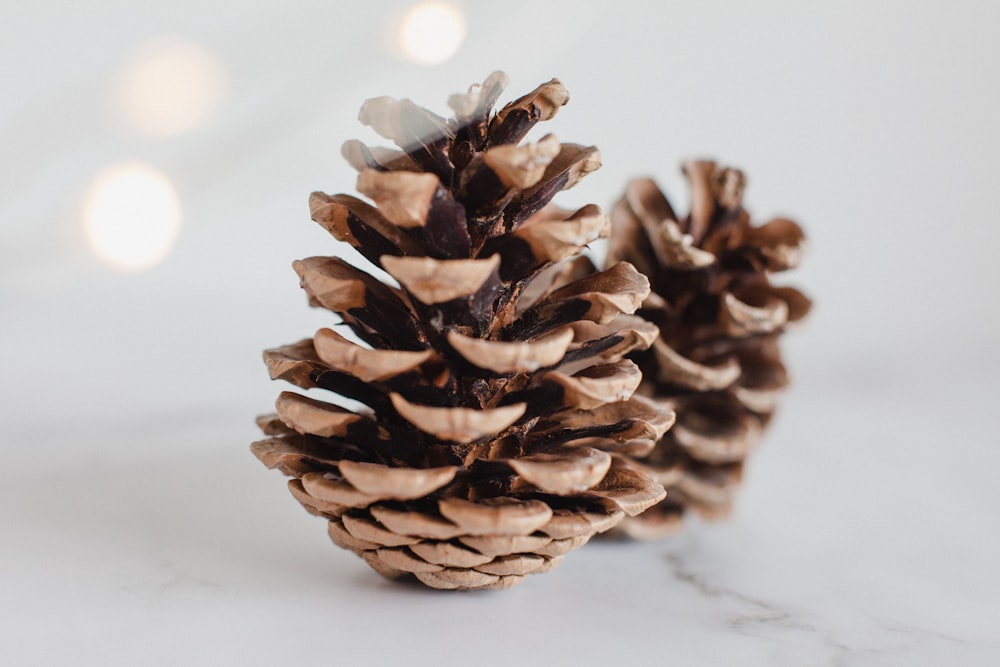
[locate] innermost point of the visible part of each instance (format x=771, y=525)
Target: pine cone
x=497, y=406
x=717, y=359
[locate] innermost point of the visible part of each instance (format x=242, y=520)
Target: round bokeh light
x=431, y=32
x=131, y=216
x=169, y=86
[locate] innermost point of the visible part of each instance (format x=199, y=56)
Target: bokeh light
x=431, y=32
x=170, y=86
x=131, y=216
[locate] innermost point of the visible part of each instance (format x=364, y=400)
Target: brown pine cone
x=497, y=405
x=717, y=359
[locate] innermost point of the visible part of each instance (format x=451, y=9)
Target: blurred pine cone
x=496, y=404
x=717, y=359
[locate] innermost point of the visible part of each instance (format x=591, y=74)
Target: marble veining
x=769, y=621
x=753, y=616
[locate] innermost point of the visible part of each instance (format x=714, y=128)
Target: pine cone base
x=446, y=541
x=464, y=562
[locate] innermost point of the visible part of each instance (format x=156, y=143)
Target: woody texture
x=717, y=360
x=497, y=419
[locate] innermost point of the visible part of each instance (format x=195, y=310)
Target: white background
x=138, y=529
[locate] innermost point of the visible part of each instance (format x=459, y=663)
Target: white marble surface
x=866, y=535
x=137, y=529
